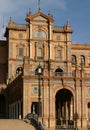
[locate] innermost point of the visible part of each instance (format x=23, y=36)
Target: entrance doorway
x=88, y=114
x=35, y=108
x=2, y=106
x=64, y=108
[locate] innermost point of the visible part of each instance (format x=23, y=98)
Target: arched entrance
x=64, y=108
x=2, y=106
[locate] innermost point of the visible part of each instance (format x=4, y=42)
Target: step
x=14, y=124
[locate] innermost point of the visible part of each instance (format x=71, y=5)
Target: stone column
x=30, y=31
x=71, y=109
x=25, y=100
x=66, y=113
x=30, y=51
x=50, y=51
x=62, y=111
x=50, y=36
x=9, y=111
x=51, y=103
x=45, y=105
x=16, y=110
x=19, y=113
x=13, y=111
x=59, y=109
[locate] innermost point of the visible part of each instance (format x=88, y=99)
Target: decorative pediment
x=20, y=45
x=40, y=18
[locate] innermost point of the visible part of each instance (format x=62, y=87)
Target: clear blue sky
x=76, y=11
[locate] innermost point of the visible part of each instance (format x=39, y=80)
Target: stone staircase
x=14, y=124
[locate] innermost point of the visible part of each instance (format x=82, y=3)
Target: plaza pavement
x=15, y=124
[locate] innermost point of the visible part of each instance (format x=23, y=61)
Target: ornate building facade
x=61, y=93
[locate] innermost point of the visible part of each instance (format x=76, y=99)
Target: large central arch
x=64, y=107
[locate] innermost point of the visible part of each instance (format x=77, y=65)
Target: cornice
x=80, y=46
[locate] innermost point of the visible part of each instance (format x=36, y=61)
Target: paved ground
x=8, y=124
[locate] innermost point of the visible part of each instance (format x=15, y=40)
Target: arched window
x=58, y=72
x=82, y=60
x=20, y=50
x=74, y=62
x=40, y=34
x=19, y=69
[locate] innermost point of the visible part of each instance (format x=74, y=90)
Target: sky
x=76, y=11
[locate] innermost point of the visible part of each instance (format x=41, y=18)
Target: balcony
x=61, y=74
x=57, y=74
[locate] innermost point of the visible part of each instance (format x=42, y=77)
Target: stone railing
x=69, y=127
x=57, y=74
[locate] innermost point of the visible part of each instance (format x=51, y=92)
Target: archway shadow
x=2, y=106
x=64, y=107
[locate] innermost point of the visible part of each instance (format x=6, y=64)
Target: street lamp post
x=39, y=72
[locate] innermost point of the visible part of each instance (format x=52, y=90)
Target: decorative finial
x=30, y=11
x=3, y=28
x=10, y=20
x=49, y=13
x=39, y=5
x=68, y=22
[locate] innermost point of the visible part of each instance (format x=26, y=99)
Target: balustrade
x=59, y=74
x=69, y=127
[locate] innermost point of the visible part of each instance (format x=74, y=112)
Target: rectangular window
x=40, y=53
x=58, y=54
x=20, y=52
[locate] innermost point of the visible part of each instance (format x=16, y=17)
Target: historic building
x=3, y=77
x=46, y=73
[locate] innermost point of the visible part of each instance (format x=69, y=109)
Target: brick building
x=62, y=92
